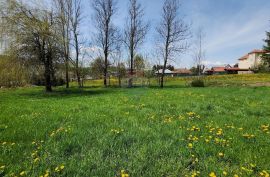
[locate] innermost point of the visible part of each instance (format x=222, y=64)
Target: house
x=218, y=70
x=181, y=72
x=175, y=73
x=250, y=61
x=166, y=72
x=236, y=70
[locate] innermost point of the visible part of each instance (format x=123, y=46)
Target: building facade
x=251, y=60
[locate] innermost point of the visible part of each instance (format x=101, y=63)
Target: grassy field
x=175, y=131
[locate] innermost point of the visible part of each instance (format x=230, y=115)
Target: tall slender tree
x=199, y=51
x=64, y=10
x=76, y=18
x=135, y=32
x=107, y=33
x=173, y=34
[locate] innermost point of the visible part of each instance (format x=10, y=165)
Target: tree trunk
x=130, y=81
x=67, y=75
x=77, y=60
x=119, y=80
x=48, y=82
x=105, y=69
x=164, y=68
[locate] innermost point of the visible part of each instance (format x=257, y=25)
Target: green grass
x=144, y=131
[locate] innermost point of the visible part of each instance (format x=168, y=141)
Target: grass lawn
x=142, y=132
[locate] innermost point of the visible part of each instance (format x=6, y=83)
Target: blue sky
x=232, y=27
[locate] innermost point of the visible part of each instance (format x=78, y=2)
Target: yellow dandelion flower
x=221, y=154
x=2, y=167
x=4, y=143
x=22, y=173
x=212, y=174
x=190, y=145
x=62, y=167
x=224, y=173
x=36, y=160
x=52, y=134
x=219, y=132
x=124, y=174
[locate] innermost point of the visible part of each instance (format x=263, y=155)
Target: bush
x=12, y=72
x=197, y=83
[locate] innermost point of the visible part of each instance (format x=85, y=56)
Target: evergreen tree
x=266, y=56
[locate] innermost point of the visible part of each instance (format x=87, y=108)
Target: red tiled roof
x=253, y=51
x=243, y=57
x=257, y=51
x=182, y=71
x=218, y=69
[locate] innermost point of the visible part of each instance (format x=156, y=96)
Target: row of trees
x=43, y=36
x=46, y=35
x=47, y=38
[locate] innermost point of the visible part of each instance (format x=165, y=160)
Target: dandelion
x=212, y=174
x=22, y=173
x=264, y=173
x=190, y=145
x=235, y=175
x=224, y=173
x=248, y=136
x=12, y=144
x=253, y=165
x=221, y=154
x=195, y=173
x=219, y=132
x=265, y=128
x=124, y=174
x=247, y=170
x=62, y=167
x=34, y=153
x=2, y=167
x=36, y=160
x=52, y=134
x=4, y=143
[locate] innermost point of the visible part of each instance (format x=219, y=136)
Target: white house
x=251, y=60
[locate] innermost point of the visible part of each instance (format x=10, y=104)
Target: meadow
x=219, y=130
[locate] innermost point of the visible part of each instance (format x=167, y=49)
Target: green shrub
x=12, y=72
x=197, y=83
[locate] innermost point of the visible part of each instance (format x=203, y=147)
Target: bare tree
x=119, y=64
x=76, y=18
x=173, y=33
x=107, y=32
x=64, y=10
x=135, y=32
x=199, y=52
